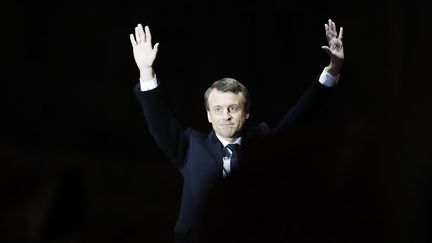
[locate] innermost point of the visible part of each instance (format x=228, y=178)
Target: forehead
x=217, y=97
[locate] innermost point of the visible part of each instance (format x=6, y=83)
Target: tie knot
x=234, y=147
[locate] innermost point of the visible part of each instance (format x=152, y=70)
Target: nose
x=227, y=115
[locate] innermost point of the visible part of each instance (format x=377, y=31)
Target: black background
x=77, y=161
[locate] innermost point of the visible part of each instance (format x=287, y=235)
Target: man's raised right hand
x=144, y=52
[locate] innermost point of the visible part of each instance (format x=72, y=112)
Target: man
x=206, y=159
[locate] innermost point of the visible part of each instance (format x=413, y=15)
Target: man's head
x=227, y=103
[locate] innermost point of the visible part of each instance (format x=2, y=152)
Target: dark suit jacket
x=198, y=156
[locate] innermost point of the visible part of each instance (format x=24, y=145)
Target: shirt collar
x=225, y=142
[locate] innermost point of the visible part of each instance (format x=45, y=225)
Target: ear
x=209, y=117
x=247, y=115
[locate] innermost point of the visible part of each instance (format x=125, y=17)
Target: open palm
x=144, y=52
x=335, y=45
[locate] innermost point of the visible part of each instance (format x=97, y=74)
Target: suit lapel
x=215, y=147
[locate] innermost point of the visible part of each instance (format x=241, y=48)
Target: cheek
x=240, y=119
x=213, y=118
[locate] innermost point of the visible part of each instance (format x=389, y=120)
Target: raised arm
x=162, y=124
x=335, y=47
x=311, y=101
x=143, y=51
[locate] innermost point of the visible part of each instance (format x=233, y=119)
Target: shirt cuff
x=327, y=79
x=148, y=85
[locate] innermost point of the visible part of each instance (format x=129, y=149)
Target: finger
x=156, y=47
x=132, y=39
x=330, y=25
x=334, y=28
x=327, y=32
x=137, y=35
x=148, y=34
x=142, y=34
x=340, y=33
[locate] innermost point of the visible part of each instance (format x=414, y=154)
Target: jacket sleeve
x=306, y=107
x=167, y=132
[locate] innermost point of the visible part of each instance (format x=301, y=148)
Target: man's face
x=227, y=113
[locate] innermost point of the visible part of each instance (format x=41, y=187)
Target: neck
x=226, y=141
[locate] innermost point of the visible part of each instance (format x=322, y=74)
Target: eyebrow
x=228, y=105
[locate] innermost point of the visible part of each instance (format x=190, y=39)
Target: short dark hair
x=228, y=85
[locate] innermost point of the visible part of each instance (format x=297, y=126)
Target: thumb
x=156, y=47
x=327, y=49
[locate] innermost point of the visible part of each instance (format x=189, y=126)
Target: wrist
x=146, y=73
x=146, y=69
x=333, y=69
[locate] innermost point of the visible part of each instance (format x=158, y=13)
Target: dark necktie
x=235, y=149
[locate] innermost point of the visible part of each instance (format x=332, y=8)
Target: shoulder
x=193, y=133
x=260, y=130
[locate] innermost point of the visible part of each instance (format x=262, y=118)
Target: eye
x=234, y=108
x=217, y=109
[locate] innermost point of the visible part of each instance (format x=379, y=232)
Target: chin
x=227, y=134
